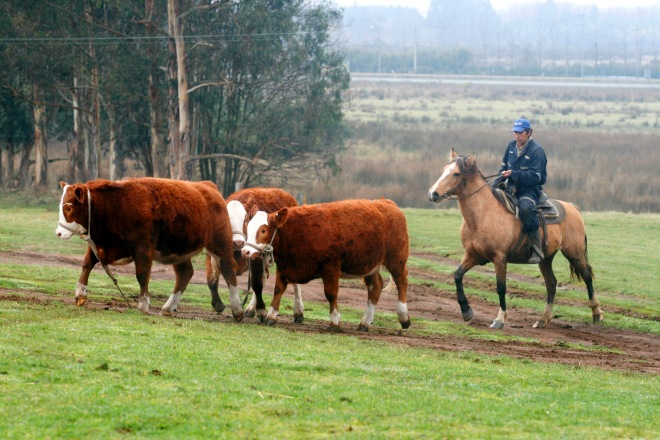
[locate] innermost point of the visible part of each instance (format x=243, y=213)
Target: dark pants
x=527, y=206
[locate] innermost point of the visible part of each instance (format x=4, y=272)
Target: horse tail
x=575, y=273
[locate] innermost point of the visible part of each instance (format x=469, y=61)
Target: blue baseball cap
x=521, y=125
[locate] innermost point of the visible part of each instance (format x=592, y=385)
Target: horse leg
x=500, y=275
x=583, y=269
x=466, y=310
x=374, y=285
x=551, y=288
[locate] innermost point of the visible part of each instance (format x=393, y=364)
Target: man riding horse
x=522, y=172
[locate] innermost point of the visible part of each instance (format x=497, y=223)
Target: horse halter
x=452, y=193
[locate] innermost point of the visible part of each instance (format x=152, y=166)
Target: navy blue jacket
x=528, y=170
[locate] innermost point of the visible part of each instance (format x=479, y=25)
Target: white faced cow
x=147, y=219
x=346, y=239
x=239, y=205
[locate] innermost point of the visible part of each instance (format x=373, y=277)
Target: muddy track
x=608, y=348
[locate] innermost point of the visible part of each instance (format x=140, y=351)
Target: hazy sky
x=423, y=5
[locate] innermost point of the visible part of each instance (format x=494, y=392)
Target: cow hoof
x=405, y=325
x=467, y=316
x=363, y=328
x=271, y=322
x=298, y=319
x=219, y=307
x=239, y=317
x=497, y=325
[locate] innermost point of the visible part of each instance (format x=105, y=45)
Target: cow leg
x=401, y=281
x=280, y=287
x=298, y=307
x=212, y=280
x=228, y=271
x=81, y=287
x=331, y=288
x=257, y=282
x=142, y=273
x=374, y=284
x=184, y=272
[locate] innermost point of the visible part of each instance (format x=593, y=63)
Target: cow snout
x=238, y=244
x=248, y=253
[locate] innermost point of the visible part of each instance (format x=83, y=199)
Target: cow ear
x=254, y=211
x=79, y=194
x=279, y=218
x=453, y=154
x=62, y=184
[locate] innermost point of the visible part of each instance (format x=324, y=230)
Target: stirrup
x=536, y=256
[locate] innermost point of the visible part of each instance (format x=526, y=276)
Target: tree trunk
x=74, y=164
x=181, y=167
x=116, y=167
x=158, y=147
x=40, y=140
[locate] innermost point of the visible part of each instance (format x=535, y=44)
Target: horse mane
x=468, y=168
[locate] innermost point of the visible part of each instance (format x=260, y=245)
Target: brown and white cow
x=147, y=219
x=239, y=205
x=346, y=239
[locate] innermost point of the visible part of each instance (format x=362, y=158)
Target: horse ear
x=453, y=155
x=472, y=159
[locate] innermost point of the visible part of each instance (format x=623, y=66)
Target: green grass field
x=69, y=372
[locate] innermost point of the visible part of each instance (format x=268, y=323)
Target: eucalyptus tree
x=266, y=92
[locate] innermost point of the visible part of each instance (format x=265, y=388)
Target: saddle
x=550, y=211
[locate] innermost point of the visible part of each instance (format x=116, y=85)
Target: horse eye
x=457, y=174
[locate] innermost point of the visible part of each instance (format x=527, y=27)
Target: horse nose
x=434, y=197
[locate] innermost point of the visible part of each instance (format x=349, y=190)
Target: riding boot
x=536, y=247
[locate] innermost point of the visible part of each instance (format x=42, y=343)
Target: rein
x=92, y=246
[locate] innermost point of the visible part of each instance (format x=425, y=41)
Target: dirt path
x=612, y=348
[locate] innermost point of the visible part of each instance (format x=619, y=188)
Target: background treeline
x=536, y=38
x=246, y=92
x=601, y=142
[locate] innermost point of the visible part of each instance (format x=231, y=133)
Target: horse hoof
x=250, y=313
x=497, y=325
x=271, y=322
x=298, y=319
x=597, y=318
x=261, y=319
x=467, y=316
x=219, y=307
x=166, y=313
x=539, y=324
x=405, y=325
x=239, y=317
x=363, y=328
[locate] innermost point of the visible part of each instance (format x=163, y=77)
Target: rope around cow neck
x=92, y=245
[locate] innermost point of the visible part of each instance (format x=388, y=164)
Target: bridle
x=92, y=245
x=266, y=253
x=452, y=193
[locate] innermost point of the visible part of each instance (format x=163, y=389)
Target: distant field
x=601, y=143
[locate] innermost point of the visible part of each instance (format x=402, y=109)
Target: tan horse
x=490, y=233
